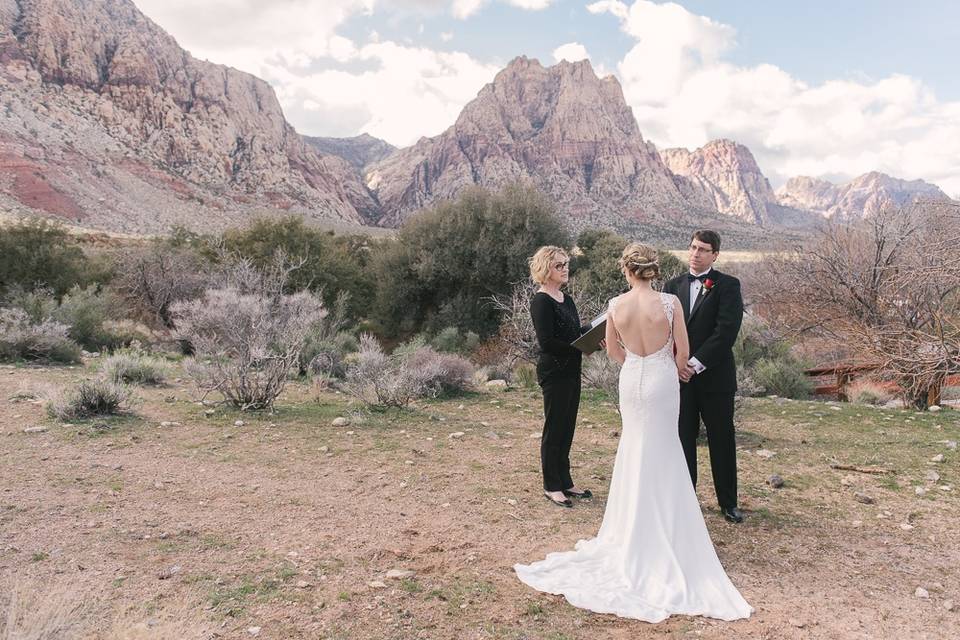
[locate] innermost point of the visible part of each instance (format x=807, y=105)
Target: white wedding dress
x=653, y=556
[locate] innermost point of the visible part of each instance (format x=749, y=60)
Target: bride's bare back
x=641, y=322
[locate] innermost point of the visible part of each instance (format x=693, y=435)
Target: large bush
x=447, y=262
x=155, y=278
x=596, y=272
x=38, y=253
x=336, y=267
x=46, y=340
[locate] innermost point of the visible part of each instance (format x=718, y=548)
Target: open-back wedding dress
x=653, y=556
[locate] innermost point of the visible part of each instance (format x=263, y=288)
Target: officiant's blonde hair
x=641, y=260
x=542, y=260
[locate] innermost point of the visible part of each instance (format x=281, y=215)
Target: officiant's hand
x=603, y=344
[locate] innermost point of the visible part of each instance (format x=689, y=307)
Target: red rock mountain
x=107, y=121
x=862, y=196
x=561, y=128
x=723, y=175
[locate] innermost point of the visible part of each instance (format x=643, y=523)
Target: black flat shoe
x=586, y=494
x=732, y=514
x=564, y=503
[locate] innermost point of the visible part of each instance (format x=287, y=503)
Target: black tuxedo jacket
x=712, y=326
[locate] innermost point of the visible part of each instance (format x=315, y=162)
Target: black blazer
x=557, y=324
x=712, y=326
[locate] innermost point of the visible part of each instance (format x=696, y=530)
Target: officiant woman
x=557, y=325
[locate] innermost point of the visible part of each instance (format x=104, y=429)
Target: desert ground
x=182, y=520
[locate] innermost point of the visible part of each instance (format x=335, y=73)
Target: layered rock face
x=360, y=151
x=861, y=197
x=560, y=128
x=109, y=122
x=723, y=175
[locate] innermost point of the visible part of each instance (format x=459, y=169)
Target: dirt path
x=287, y=526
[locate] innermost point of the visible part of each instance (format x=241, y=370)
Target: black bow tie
x=692, y=277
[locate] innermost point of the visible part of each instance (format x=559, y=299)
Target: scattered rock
x=765, y=453
x=848, y=480
x=948, y=605
x=934, y=408
x=492, y=435
x=796, y=623
x=863, y=498
x=906, y=526
x=922, y=593
x=254, y=631
x=34, y=429
x=350, y=433
x=238, y=423
x=775, y=481
x=457, y=434
x=340, y=422
x=400, y=574
x=920, y=491
x=951, y=444
x=937, y=458
x=496, y=385
x=932, y=476
x=168, y=573
x=324, y=449
x=511, y=502
x=303, y=584
x=209, y=412
x=167, y=423
x=377, y=584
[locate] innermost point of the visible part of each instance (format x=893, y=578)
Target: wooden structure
x=844, y=373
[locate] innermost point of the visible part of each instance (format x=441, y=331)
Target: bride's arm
x=614, y=351
x=680, y=336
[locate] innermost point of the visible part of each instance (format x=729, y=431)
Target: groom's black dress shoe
x=586, y=494
x=732, y=514
x=559, y=503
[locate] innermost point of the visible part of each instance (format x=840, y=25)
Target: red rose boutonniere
x=707, y=286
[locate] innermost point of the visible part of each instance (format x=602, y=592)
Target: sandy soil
x=286, y=526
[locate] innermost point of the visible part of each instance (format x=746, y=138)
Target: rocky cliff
x=862, y=196
x=109, y=122
x=560, y=128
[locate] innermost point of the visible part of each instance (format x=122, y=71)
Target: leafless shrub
x=600, y=372
x=866, y=391
x=246, y=344
x=45, y=340
x=396, y=380
x=154, y=279
x=887, y=287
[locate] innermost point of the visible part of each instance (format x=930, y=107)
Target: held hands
x=686, y=371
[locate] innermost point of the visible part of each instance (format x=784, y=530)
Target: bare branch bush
x=247, y=335
x=887, y=287
x=154, y=279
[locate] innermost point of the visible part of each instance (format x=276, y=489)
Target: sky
x=818, y=88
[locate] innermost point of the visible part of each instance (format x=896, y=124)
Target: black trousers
x=716, y=411
x=561, y=400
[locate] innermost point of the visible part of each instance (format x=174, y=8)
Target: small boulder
x=765, y=453
x=238, y=423
x=937, y=458
x=934, y=408
x=775, y=481
x=863, y=498
x=340, y=422
x=400, y=574
x=496, y=385
x=457, y=434
x=922, y=593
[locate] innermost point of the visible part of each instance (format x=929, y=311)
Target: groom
x=713, y=309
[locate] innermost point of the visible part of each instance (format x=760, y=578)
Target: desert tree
x=887, y=287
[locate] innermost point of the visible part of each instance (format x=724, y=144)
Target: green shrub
x=448, y=261
x=40, y=253
x=595, y=271
x=525, y=375
x=133, y=366
x=783, y=377
x=91, y=398
x=85, y=310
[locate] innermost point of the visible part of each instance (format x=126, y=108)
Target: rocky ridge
x=860, y=197
x=107, y=121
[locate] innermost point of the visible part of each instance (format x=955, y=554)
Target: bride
x=652, y=557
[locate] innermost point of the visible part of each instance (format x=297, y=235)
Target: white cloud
x=684, y=93
x=571, y=52
x=463, y=9
x=446, y=36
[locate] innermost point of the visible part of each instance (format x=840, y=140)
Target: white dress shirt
x=695, y=288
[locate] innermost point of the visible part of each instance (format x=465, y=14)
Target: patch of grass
x=215, y=541
x=410, y=585
x=39, y=556
x=344, y=596
x=462, y=591
x=534, y=609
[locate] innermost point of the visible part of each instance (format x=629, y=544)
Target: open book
x=590, y=341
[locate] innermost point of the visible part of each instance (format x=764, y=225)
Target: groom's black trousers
x=716, y=410
x=561, y=400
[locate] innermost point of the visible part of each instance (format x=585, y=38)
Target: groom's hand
x=687, y=372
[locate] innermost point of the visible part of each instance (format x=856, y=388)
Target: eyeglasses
x=701, y=250
x=560, y=266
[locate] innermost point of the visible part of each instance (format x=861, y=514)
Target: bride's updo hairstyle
x=641, y=260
